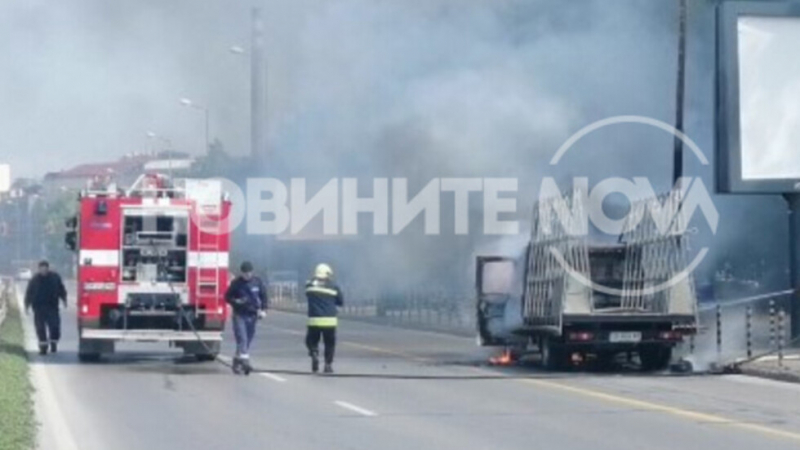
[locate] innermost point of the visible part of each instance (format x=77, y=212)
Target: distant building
x=177, y=166
x=123, y=172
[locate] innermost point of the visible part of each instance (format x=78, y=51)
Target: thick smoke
x=359, y=88
x=446, y=89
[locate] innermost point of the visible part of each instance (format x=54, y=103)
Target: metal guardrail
x=427, y=308
x=730, y=331
x=743, y=329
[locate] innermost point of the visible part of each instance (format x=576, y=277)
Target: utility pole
x=793, y=201
x=258, y=89
x=677, y=161
x=258, y=107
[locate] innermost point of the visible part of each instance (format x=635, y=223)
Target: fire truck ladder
x=208, y=285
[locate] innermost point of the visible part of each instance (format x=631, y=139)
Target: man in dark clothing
x=42, y=295
x=324, y=297
x=248, y=297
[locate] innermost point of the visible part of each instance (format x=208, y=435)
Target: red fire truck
x=152, y=265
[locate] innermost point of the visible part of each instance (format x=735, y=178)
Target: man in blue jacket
x=248, y=298
x=324, y=297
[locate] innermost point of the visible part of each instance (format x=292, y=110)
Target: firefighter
x=42, y=295
x=323, y=296
x=249, y=300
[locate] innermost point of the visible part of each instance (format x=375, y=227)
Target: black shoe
x=236, y=366
x=53, y=347
x=328, y=368
x=314, y=364
x=246, y=367
x=43, y=349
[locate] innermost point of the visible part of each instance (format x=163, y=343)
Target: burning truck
x=570, y=299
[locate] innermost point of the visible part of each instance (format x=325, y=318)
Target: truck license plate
x=625, y=336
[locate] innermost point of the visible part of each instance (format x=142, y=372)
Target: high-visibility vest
x=327, y=322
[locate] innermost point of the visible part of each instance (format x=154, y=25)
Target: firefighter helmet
x=323, y=271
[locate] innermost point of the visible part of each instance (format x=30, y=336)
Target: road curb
x=772, y=373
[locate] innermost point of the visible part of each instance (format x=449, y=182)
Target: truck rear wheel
x=554, y=356
x=655, y=358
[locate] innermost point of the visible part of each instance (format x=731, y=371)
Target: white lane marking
x=354, y=408
x=272, y=377
x=50, y=417
x=268, y=375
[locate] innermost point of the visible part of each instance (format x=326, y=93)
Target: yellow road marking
x=675, y=411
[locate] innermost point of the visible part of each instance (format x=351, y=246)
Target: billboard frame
x=728, y=126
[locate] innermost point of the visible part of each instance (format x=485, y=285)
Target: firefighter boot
x=42, y=349
x=314, y=362
x=53, y=347
x=328, y=368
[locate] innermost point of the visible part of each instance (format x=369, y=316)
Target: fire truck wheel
x=90, y=350
x=89, y=357
x=203, y=351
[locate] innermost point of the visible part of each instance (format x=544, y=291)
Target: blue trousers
x=244, y=329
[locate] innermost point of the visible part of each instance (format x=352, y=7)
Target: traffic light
x=71, y=236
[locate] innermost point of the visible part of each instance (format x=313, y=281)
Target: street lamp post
x=189, y=103
x=258, y=87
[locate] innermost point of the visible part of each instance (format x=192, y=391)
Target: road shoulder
x=53, y=432
x=17, y=423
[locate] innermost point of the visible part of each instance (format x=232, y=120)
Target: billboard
x=758, y=97
x=5, y=178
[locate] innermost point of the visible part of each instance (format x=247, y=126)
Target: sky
x=87, y=79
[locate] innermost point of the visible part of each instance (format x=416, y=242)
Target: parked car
x=24, y=274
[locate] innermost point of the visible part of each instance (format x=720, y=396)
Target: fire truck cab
x=152, y=265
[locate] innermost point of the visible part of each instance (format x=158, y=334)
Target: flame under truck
x=152, y=265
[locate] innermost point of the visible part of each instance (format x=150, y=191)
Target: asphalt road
x=147, y=397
